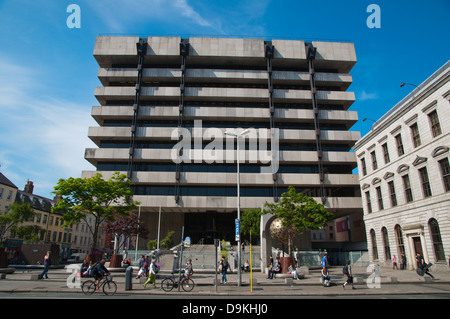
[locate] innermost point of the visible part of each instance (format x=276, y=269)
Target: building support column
x=269, y=51
x=311, y=55
x=184, y=52
x=141, y=50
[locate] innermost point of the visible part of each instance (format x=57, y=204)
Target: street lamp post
x=404, y=83
x=137, y=235
x=238, y=201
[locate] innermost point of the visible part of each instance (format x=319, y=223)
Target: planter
x=116, y=261
x=285, y=262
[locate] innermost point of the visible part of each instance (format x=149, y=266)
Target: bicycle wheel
x=187, y=284
x=109, y=287
x=167, y=284
x=88, y=287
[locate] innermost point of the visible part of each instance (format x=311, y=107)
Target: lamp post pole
x=404, y=83
x=137, y=236
x=238, y=202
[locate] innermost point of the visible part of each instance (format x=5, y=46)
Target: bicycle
x=108, y=286
x=186, y=283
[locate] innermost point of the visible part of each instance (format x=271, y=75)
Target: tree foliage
x=18, y=214
x=166, y=242
x=250, y=221
x=299, y=212
x=126, y=227
x=80, y=198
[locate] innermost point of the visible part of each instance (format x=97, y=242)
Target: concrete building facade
x=166, y=103
x=405, y=177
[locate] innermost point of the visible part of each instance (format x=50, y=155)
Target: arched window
x=399, y=238
x=437, y=241
x=387, y=250
x=374, y=244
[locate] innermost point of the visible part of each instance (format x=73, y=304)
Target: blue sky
x=48, y=73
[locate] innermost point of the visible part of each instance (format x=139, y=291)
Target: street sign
x=187, y=242
x=237, y=233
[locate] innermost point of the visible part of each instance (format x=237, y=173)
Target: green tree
x=299, y=212
x=18, y=214
x=80, y=198
x=167, y=241
x=250, y=222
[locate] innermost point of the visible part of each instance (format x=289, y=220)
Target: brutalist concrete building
x=166, y=102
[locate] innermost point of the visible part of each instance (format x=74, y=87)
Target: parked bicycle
x=169, y=283
x=106, y=284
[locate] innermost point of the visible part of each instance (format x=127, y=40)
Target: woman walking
x=394, y=263
x=47, y=263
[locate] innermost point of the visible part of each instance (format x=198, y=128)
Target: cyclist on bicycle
x=98, y=271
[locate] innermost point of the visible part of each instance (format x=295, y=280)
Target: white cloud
x=364, y=96
x=118, y=14
x=187, y=11
x=43, y=138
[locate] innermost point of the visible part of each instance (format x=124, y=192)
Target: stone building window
x=425, y=182
x=399, y=141
x=369, y=204
x=445, y=171
x=399, y=237
x=437, y=240
x=380, y=198
x=407, y=187
x=374, y=244
x=415, y=135
x=374, y=160
x=386, y=153
x=392, y=194
x=435, y=125
x=387, y=249
x=363, y=166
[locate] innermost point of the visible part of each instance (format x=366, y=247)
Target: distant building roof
x=5, y=181
x=36, y=201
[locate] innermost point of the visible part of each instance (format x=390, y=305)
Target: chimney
x=29, y=187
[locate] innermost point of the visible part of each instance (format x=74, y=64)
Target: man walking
x=423, y=266
x=348, y=272
x=224, y=263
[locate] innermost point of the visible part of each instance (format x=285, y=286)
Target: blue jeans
x=224, y=275
x=44, y=273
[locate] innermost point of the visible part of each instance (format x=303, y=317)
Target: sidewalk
x=390, y=282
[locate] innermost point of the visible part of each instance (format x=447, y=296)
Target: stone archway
x=266, y=240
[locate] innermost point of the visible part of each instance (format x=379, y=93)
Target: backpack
x=345, y=270
x=225, y=264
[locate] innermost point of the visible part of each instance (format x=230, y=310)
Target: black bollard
x=128, y=278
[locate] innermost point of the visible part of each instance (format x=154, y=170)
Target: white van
x=76, y=258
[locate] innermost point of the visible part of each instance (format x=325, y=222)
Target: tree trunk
x=115, y=261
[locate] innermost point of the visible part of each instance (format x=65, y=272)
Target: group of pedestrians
x=144, y=267
x=347, y=271
x=402, y=264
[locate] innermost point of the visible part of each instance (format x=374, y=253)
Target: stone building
x=404, y=173
x=166, y=102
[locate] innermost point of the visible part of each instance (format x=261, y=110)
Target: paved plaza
x=368, y=283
